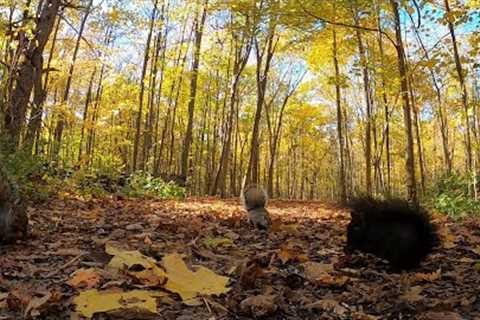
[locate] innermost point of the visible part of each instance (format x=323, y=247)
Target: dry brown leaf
x=430, y=277
x=440, y=316
x=85, y=278
x=259, y=306
x=249, y=271
x=413, y=294
x=35, y=305
x=328, y=305
x=288, y=253
x=3, y=300
x=362, y=316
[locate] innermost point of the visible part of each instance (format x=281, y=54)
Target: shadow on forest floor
x=296, y=271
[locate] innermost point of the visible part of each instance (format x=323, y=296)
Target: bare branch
x=346, y=25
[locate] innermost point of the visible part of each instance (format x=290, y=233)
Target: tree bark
x=461, y=80
x=138, y=126
x=410, y=162
x=58, y=135
x=262, y=71
x=40, y=94
x=368, y=104
x=23, y=81
x=199, y=24
x=343, y=188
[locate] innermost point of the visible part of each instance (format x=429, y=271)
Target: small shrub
x=28, y=173
x=143, y=184
x=451, y=194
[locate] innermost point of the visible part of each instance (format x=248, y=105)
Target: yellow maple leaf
x=189, y=284
x=151, y=274
x=93, y=301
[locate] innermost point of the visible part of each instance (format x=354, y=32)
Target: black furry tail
x=392, y=229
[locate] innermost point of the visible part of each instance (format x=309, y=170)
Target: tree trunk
x=23, y=80
x=262, y=70
x=138, y=126
x=368, y=103
x=61, y=121
x=461, y=80
x=199, y=24
x=40, y=94
x=241, y=58
x=410, y=162
x=343, y=188
x=441, y=114
x=88, y=99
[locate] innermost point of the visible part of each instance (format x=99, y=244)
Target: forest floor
x=296, y=271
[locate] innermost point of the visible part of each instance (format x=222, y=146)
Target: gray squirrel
x=13, y=212
x=254, y=199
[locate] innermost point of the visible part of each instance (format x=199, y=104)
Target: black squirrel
x=254, y=199
x=393, y=229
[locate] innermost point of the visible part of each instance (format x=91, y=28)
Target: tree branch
x=346, y=25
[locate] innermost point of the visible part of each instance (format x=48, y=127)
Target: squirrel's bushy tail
x=392, y=229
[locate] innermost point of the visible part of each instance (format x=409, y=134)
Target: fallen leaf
x=430, y=277
x=70, y=252
x=291, y=229
x=259, y=306
x=328, y=305
x=448, y=239
x=3, y=300
x=36, y=304
x=84, y=278
x=287, y=254
x=248, y=272
x=93, y=301
x=189, y=284
x=440, y=316
x=217, y=242
x=150, y=274
x=413, y=294
x=362, y=316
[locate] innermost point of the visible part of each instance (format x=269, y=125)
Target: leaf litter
x=115, y=258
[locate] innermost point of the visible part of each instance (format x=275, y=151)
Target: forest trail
x=296, y=271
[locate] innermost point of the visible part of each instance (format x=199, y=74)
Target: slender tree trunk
x=199, y=24
x=343, y=188
x=440, y=110
x=146, y=57
x=368, y=103
x=410, y=162
x=241, y=58
x=262, y=71
x=461, y=80
x=61, y=121
x=86, y=115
